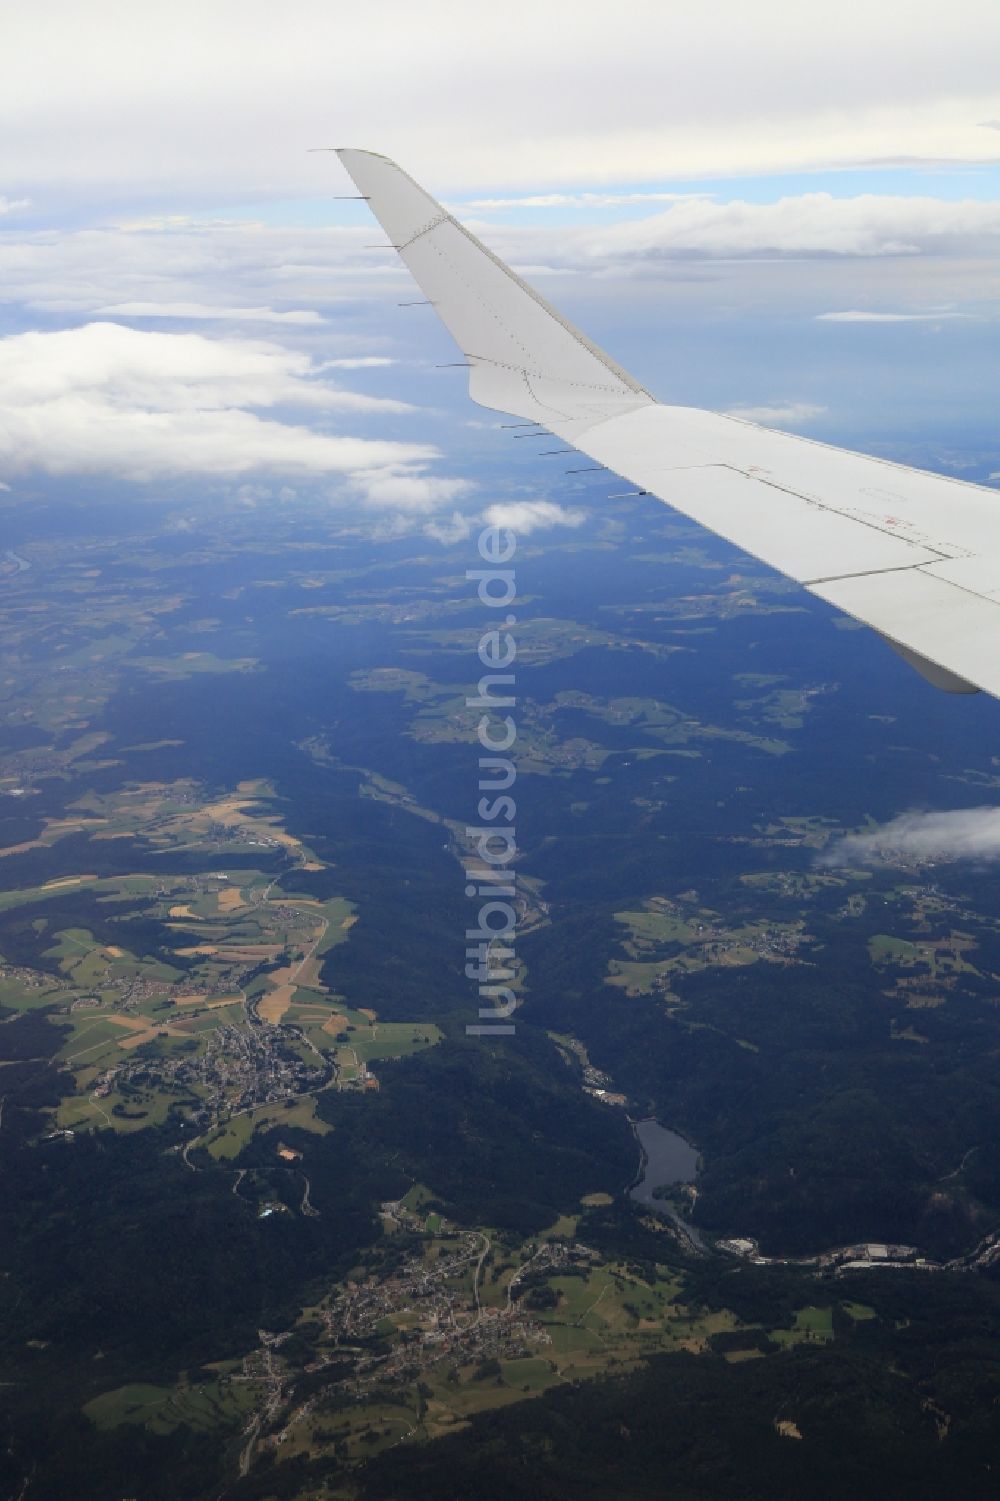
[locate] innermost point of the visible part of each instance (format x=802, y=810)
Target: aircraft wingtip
x=359, y=151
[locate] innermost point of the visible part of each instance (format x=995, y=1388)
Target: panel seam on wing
x=868, y=573
x=579, y=338
x=418, y=234
x=989, y=599
x=872, y=458
x=527, y=370
x=824, y=505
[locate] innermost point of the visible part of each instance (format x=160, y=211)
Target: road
x=306, y=1207
x=478, y=1274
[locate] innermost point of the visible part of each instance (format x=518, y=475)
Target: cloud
x=407, y=491
x=573, y=200
x=809, y=224
x=964, y=834
x=304, y=274
x=861, y=316
x=786, y=414
x=213, y=266
x=527, y=516
x=199, y=310
x=392, y=528
x=359, y=362
x=13, y=205
x=192, y=99
x=450, y=531
x=141, y=405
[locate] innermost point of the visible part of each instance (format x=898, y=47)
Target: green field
x=228, y=1140
x=163, y=1408
x=811, y=1325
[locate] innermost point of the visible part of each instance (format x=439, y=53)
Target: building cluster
x=239, y=833
x=771, y=943
x=597, y=1084
x=243, y=1067
x=438, y=1322
x=864, y=1255
x=27, y=979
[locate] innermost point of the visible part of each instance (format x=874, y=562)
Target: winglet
x=524, y=357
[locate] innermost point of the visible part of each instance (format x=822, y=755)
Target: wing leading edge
x=914, y=555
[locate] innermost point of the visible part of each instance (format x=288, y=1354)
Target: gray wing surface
x=914, y=555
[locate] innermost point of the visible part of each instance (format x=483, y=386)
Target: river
x=666, y=1158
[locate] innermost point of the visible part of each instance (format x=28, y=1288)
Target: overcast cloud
x=224, y=99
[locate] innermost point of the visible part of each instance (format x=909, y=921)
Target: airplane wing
x=914, y=555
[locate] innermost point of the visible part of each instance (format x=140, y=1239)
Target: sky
x=792, y=212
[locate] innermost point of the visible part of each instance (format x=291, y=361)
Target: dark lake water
x=668, y=1158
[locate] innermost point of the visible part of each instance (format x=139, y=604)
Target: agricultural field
x=468, y=1321
x=237, y=772
x=941, y=959
x=442, y=715
x=229, y=1020
x=671, y=938
x=177, y=816
x=203, y=1407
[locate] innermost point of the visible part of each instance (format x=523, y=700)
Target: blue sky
x=784, y=211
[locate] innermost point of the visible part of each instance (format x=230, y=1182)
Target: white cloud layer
x=358, y=362
x=192, y=266
x=198, y=311
x=527, y=516
x=104, y=399
x=809, y=224
x=965, y=834
x=572, y=200
x=781, y=414
x=225, y=98
x=860, y=315
x=300, y=277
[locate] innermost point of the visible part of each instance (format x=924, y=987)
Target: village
x=389, y=1330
